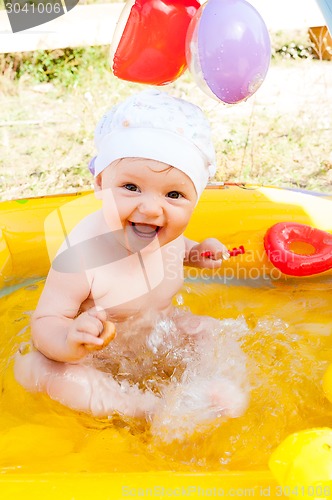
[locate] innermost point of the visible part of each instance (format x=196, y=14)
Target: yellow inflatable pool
x=282, y=322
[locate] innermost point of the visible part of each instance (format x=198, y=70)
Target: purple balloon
x=233, y=48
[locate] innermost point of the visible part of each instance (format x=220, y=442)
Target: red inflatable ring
x=279, y=239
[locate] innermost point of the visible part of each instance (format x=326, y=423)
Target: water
x=284, y=331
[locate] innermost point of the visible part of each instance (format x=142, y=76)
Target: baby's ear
x=98, y=187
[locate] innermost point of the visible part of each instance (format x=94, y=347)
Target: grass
x=281, y=136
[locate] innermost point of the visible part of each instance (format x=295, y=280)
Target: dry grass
x=281, y=136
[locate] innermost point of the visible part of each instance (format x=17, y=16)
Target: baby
x=115, y=282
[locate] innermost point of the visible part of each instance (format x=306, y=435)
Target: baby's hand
x=209, y=254
x=89, y=332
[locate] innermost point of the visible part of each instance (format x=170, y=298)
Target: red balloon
x=151, y=47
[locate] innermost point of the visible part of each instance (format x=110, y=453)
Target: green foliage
x=291, y=45
x=66, y=67
x=70, y=66
x=294, y=51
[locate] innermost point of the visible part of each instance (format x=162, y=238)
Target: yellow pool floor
x=284, y=328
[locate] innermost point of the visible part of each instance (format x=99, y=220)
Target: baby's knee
x=226, y=399
x=194, y=324
x=31, y=368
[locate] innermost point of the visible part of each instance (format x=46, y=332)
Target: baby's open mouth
x=145, y=230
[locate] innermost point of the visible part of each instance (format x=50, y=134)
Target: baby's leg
x=213, y=385
x=82, y=388
x=200, y=328
x=192, y=406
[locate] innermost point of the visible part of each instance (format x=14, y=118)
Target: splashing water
x=284, y=333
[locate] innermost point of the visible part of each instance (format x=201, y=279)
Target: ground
x=280, y=136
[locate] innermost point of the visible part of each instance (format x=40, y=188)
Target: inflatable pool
x=283, y=323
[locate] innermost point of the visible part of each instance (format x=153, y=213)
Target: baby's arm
x=57, y=331
x=209, y=253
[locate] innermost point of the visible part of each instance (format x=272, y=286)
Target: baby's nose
x=151, y=205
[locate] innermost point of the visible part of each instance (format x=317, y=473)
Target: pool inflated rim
x=30, y=233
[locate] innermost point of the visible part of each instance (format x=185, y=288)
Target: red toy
x=232, y=253
x=279, y=239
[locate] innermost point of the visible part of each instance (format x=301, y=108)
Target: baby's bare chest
x=137, y=283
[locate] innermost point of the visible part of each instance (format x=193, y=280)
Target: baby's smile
x=144, y=230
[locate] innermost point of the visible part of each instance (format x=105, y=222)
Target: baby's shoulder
x=87, y=228
x=80, y=249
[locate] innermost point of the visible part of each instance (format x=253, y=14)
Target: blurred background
x=56, y=82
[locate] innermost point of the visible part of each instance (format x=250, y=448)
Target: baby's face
x=150, y=199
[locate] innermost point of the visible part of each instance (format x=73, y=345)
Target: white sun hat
x=156, y=126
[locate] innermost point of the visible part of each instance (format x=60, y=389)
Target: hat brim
x=154, y=144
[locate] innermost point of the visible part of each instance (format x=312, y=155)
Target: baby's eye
x=131, y=187
x=174, y=195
